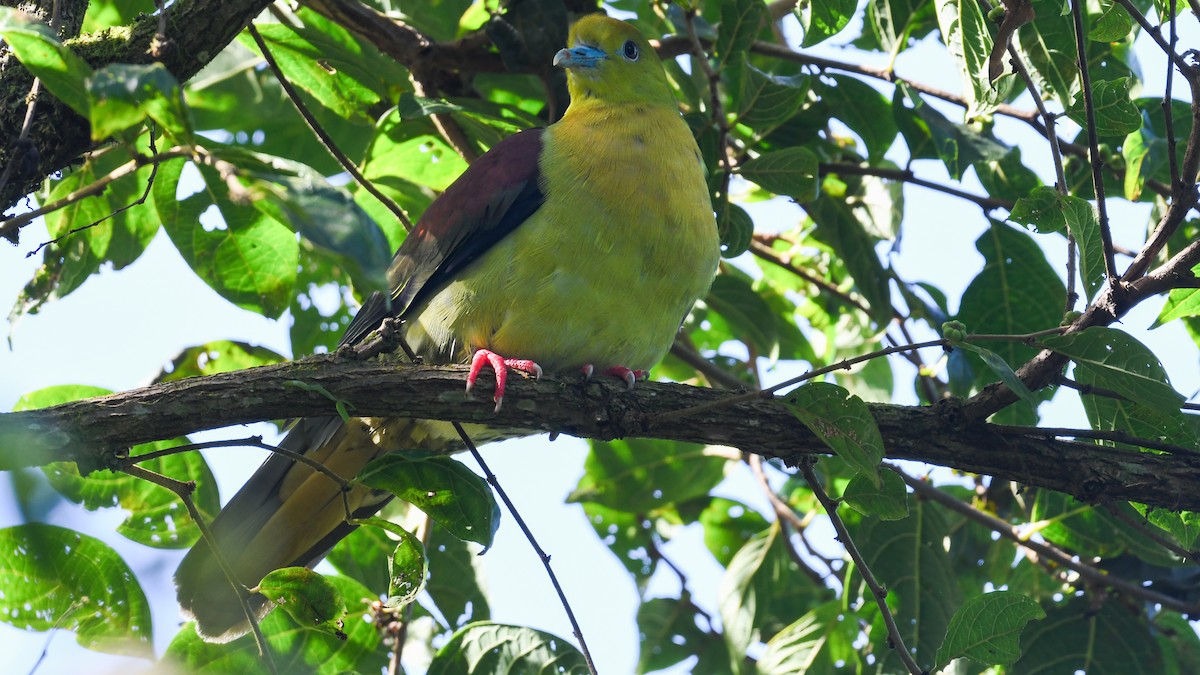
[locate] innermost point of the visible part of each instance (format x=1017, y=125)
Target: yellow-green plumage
x=602, y=260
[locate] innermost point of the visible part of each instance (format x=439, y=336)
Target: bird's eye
x=631, y=50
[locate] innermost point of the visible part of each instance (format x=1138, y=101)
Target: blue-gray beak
x=580, y=56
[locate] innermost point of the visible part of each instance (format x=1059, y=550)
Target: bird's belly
x=565, y=302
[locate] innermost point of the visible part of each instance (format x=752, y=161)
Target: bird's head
x=610, y=61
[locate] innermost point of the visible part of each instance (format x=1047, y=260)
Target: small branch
x=878, y=592
x=985, y=202
x=1168, y=102
x=541, y=554
x=769, y=254
x=787, y=517
x=321, y=134
x=1053, y=553
x=715, y=375
x=184, y=492
x=1095, y=434
x=1110, y=264
x=1156, y=34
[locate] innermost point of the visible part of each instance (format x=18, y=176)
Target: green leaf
x=639, y=475
x=157, y=517
x=768, y=100
x=749, y=316
x=1083, y=223
x=1048, y=44
x=1116, y=115
x=364, y=555
x=1043, y=210
x=740, y=22
x=39, y=50
x=1112, y=25
x=122, y=95
x=1079, y=636
x=909, y=558
x=455, y=580
x=668, y=634
x=762, y=591
x=407, y=565
x=813, y=644
x=728, y=525
x=888, y=501
x=823, y=20
x=445, y=489
x=792, y=172
x=294, y=648
x=52, y=577
x=218, y=356
x=1003, y=371
x=736, y=229
x=957, y=145
x=491, y=648
x=246, y=257
x=1119, y=363
x=862, y=108
x=309, y=598
x=842, y=422
x=987, y=629
x=1181, y=303
x=967, y=37
x=402, y=150
x=1008, y=177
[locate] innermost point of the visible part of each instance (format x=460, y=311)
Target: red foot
x=501, y=365
x=630, y=376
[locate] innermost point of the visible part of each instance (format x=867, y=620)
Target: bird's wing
x=491, y=198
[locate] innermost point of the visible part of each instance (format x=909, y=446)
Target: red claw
x=630, y=376
x=501, y=365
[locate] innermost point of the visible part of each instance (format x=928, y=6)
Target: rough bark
x=96, y=432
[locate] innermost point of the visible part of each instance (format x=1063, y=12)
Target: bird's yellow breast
x=604, y=272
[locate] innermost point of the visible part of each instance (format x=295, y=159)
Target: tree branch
x=95, y=432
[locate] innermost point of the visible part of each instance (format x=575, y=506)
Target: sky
x=120, y=328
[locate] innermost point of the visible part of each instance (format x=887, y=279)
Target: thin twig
x=541, y=554
x=878, y=592
x=769, y=254
x=788, y=517
x=319, y=131
x=719, y=378
x=1094, y=434
x=1110, y=263
x=985, y=202
x=1168, y=104
x=1059, y=557
x=1143, y=528
x=184, y=492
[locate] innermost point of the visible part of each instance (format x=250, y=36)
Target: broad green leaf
x=823, y=20
x=364, y=556
x=1105, y=640
x=987, y=629
x=957, y=145
x=1043, y=210
x=768, y=100
x=640, y=475
x=485, y=648
x=1048, y=46
x=39, y=50
x=763, y=591
x=1008, y=177
x=1017, y=292
x=246, y=257
x=740, y=22
x=52, y=577
x=909, y=558
x=122, y=95
x=815, y=643
x=668, y=634
x=792, y=172
x=736, y=229
x=219, y=356
x=1136, y=418
x=1184, y=526
x=1083, y=223
x=444, y=488
x=294, y=648
x=842, y=224
x=1112, y=25
x=728, y=525
x=967, y=37
x=862, y=108
x=1003, y=371
x=1147, y=151
x=842, y=422
x=750, y=317
x=407, y=564
x=1120, y=363
x=888, y=501
x=157, y=517
x=309, y=598
x=103, y=14
x=893, y=22
x=456, y=580
x=1116, y=115
x=401, y=150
